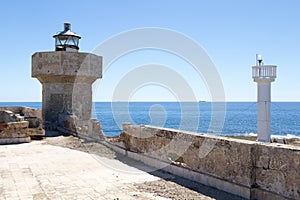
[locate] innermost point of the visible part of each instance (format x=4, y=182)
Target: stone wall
x=277, y=169
x=249, y=169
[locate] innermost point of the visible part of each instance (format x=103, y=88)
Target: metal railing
x=265, y=71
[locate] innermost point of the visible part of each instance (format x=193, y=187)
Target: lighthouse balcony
x=264, y=73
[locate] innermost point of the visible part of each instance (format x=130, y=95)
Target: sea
x=229, y=118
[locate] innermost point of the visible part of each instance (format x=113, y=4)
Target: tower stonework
x=67, y=79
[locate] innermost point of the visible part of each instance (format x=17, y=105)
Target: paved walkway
x=39, y=171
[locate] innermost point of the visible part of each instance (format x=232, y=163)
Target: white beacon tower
x=263, y=75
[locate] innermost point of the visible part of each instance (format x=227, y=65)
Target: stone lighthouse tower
x=263, y=75
x=67, y=77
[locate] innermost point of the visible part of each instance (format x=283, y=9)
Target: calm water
x=240, y=117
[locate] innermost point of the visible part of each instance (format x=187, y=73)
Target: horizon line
x=142, y=101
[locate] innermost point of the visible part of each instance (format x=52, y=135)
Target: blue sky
x=231, y=32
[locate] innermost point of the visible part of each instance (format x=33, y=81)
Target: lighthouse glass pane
x=70, y=41
x=76, y=41
x=63, y=42
x=57, y=41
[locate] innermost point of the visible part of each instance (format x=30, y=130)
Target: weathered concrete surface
x=39, y=171
x=246, y=168
x=67, y=79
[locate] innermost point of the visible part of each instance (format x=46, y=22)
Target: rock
x=14, y=132
x=14, y=118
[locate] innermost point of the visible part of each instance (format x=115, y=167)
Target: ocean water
x=240, y=118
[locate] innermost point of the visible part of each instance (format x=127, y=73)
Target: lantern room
x=66, y=40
